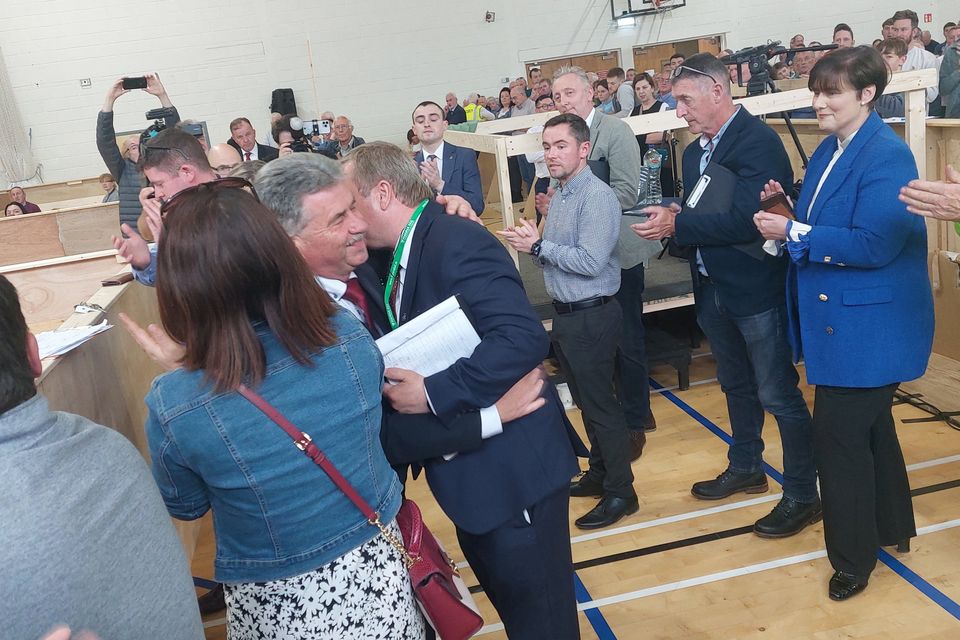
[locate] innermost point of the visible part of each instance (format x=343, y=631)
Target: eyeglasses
x=214, y=185
x=681, y=68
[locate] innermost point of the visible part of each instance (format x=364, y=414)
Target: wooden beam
x=477, y=142
x=503, y=125
x=506, y=199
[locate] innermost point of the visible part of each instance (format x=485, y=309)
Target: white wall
x=372, y=60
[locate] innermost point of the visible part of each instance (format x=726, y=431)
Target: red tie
x=355, y=295
x=247, y=153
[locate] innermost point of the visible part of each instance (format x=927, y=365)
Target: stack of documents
x=432, y=341
x=57, y=343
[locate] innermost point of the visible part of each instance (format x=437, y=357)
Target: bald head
x=223, y=158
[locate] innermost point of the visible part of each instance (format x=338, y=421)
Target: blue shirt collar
x=704, y=140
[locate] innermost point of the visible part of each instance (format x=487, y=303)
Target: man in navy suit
x=243, y=138
x=739, y=290
x=448, y=169
x=509, y=498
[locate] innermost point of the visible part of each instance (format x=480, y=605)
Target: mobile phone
x=778, y=204
x=138, y=82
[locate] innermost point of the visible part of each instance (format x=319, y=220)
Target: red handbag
x=440, y=591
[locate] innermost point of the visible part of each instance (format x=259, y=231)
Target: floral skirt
x=364, y=594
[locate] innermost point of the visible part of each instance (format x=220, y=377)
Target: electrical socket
x=85, y=83
x=505, y=79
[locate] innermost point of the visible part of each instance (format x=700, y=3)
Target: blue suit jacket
x=860, y=306
x=461, y=175
x=754, y=152
x=534, y=456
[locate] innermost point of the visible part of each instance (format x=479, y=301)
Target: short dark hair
x=283, y=124
x=705, y=63
x=424, y=104
x=209, y=300
x=948, y=25
x=907, y=14
x=540, y=99
x=856, y=68
x=641, y=77
x=601, y=83
x=678, y=55
x=578, y=126
x=236, y=122
x=887, y=22
x=616, y=72
x=532, y=69
x=170, y=149
x=16, y=378
x=843, y=26
x=896, y=46
x=13, y=203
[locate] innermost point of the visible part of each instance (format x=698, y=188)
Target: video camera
x=159, y=117
x=756, y=60
x=303, y=130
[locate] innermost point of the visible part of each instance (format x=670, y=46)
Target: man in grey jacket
x=123, y=166
x=85, y=540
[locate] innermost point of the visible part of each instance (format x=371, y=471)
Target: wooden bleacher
x=51, y=192
x=59, y=233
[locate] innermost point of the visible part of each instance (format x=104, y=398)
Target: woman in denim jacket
x=297, y=558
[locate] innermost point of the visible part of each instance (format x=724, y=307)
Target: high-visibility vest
x=473, y=112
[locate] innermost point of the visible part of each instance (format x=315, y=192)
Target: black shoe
x=212, y=601
x=637, y=440
x=728, y=483
x=789, y=517
x=586, y=487
x=649, y=423
x=846, y=585
x=903, y=546
x=610, y=509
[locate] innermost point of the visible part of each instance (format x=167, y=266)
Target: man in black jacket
x=243, y=138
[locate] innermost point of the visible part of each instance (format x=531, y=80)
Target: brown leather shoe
x=637, y=441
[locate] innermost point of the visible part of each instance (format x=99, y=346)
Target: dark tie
x=431, y=157
x=247, y=153
x=355, y=295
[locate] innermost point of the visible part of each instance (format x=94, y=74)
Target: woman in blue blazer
x=861, y=311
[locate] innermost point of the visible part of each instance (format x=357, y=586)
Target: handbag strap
x=304, y=442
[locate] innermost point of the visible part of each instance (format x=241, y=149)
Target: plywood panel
x=54, y=191
x=49, y=291
x=92, y=229
x=35, y=236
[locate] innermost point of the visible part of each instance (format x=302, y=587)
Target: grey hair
x=283, y=184
x=703, y=68
x=572, y=70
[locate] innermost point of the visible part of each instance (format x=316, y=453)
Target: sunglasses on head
x=676, y=73
x=212, y=186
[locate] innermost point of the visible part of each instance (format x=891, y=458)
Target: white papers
x=56, y=343
x=432, y=341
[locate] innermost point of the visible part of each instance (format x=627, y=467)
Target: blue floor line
x=905, y=572
x=599, y=623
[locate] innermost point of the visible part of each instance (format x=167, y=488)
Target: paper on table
x=432, y=341
x=56, y=343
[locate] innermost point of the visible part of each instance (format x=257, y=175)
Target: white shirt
x=439, y=153
x=537, y=156
x=336, y=290
x=490, y=423
x=920, y=58
x=254, y=155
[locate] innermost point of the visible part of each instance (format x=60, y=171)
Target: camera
x=316, y=127
x=302, y=131
x=159, y=117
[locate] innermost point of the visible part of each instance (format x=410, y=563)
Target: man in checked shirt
x=582, y=274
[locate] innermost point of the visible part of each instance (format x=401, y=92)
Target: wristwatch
x=535, y=248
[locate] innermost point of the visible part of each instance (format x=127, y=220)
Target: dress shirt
x=578, y=251
x=336, y=290
x=589, y=118
x=439, y=153
x=536, y=158
x=709, y=145
x=490, y=423
x=254, y=154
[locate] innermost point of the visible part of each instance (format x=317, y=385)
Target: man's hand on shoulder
x=457, y=206
x=133, y=248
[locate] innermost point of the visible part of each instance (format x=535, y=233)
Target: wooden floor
x=686, y=569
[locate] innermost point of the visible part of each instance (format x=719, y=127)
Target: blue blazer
x=461, y=175
x=534, y=456
x=860, y=306
x=754, y=152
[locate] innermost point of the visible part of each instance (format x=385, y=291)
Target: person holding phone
x=123, y=164
x=860, y=309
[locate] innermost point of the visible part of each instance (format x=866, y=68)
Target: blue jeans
x=755, y=372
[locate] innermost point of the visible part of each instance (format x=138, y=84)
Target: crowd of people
x=278, y=263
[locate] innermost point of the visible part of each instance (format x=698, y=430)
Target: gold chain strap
x=395, y=542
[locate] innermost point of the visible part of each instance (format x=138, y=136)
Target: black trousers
x=526, y=570
x=633, y=376
x=586, y=345
x=863, y=479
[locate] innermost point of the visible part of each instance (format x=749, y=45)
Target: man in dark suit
x=447, y=168
x=739, y=290
x=509, y=498
x=243, y=138
x=315, y=204
x=454, y=113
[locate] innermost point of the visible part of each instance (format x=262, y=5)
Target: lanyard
x=395, y=265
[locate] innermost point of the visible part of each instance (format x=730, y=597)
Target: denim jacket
x=276, y=514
